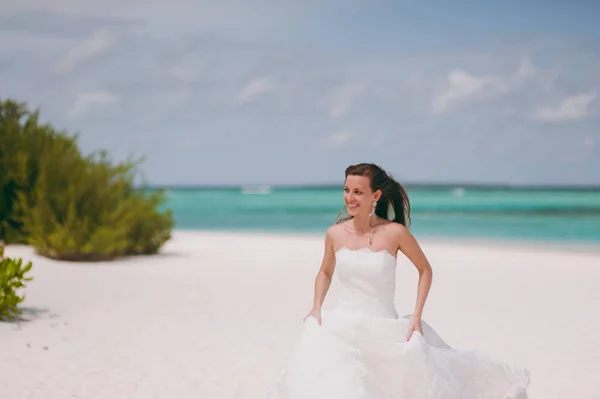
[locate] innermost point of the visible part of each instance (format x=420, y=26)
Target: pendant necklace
x=370, y=237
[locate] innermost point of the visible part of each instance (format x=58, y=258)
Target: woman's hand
x=316, y=313
x=414, y=325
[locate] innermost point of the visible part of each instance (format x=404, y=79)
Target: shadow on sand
x=29, y=314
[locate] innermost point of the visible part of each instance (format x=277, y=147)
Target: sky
x=292, y=92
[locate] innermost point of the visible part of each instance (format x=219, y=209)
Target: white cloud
x=571, y=108
x=254, y=89
x=589, y=142
x=337, y=139
x=94, y=46
x=342, y=98
x=87, y=100
x=526, y=69
x=462, y=86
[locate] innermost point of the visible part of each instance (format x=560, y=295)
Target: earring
x=374, y=205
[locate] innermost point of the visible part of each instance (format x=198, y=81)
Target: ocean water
x=546, y=215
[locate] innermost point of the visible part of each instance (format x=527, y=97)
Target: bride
x=360, y=348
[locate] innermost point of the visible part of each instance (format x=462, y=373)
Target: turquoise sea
x=555, y=215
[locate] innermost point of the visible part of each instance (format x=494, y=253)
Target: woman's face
x=358, y=195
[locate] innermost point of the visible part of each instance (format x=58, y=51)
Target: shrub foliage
x=12, y=277
x=69, y=206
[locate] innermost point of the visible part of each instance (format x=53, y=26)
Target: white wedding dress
x=360, y=349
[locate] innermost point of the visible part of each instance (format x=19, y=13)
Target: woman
x=360, y=348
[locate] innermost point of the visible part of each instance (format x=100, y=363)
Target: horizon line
x=426, y=185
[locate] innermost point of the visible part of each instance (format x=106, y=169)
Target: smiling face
x=358, y=195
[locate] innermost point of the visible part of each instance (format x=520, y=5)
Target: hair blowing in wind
x=392, y=192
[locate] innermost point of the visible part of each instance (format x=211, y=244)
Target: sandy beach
x=215, y=315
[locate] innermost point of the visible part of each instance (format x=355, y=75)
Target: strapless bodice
x=367, y=281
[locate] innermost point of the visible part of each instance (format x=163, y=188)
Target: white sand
x=215, y=316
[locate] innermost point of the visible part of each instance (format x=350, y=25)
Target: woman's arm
x=324, y=276
x=410, y=247
x=323, y=280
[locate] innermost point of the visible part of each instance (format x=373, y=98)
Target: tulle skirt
x=357, y=356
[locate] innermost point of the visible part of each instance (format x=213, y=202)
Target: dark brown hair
x=391, y=192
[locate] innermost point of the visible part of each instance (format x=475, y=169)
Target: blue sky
x=291, y=92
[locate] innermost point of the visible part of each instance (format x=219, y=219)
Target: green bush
x=17, y=152
x=12, y=277
x=69, y=206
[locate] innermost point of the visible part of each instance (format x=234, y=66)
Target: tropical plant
x=12, y=278
x=70, y=206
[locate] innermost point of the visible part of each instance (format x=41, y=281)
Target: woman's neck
x=362, y=224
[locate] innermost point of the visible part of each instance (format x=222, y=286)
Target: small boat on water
x=259, y=189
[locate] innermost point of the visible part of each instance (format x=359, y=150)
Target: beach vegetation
x=68, y=205
x=12, y=278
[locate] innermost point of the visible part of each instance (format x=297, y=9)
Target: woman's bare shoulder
x=396, y=228
x=335, y=231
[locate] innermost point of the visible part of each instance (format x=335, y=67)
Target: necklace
x=370, y=237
